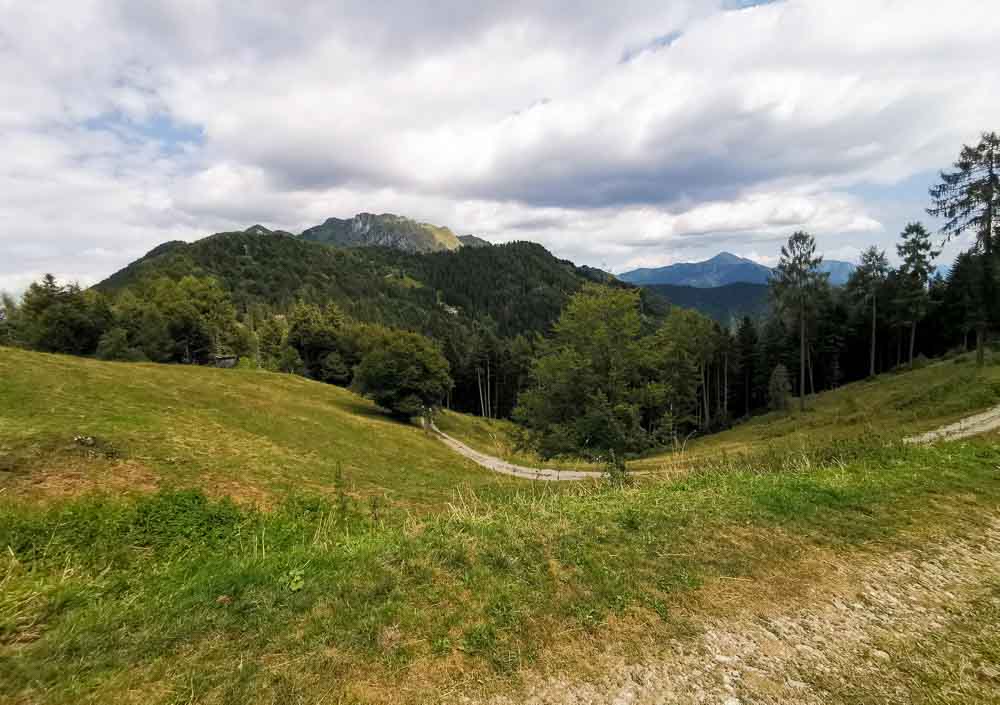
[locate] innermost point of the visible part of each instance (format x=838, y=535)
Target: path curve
x=969, y=426
x=504, y=468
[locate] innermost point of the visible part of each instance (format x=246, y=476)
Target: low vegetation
x=379, y=578
x=249, y=434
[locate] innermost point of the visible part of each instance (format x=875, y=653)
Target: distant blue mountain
x=839, y=271
x=725, y=268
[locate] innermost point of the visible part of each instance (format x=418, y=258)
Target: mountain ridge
x=383, y=230
x=723, y=269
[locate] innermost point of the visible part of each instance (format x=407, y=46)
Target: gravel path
x=854, y=631
x=971, y=426
x=504, y=468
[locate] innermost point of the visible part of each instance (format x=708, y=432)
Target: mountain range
x=725, y=268
x=398, y=271
x=509, y=289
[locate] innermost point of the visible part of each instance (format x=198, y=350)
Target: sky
x=618, y=135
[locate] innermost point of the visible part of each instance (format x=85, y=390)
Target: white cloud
x=125, y=124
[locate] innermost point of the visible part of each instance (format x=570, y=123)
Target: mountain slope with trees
x=726, y=304
x=483, y=305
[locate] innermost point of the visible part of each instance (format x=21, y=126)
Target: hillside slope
x=384, y=570
x=726, y=304
x=886, y=408
x=254, y=435
x=514, y=288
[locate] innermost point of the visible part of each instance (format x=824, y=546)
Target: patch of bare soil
x=814, y=645
x=62, y=478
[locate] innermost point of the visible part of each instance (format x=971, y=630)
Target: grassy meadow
x=235, y=536
x=251, y=435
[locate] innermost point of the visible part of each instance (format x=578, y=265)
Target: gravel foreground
x=878, y=631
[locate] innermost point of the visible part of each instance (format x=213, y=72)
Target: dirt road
x=504, y=468
x=970, y=426
x=888, y=629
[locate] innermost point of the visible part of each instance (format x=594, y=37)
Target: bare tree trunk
x=725, y=383
x=871, y=371
x=802, y=359
x=746, y=392
x=989, y=298
x=809, y=363
x=704, y=394
x=913, y=340
x=479, y=386
x=489, y=406
x=718, y=389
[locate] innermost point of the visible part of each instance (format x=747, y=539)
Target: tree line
x=604, y=383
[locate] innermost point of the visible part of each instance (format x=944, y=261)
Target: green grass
x=251, y=434
x=99, y=592
x=892, y=405
x=458, y=582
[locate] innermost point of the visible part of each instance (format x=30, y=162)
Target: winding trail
x=504, y=468
x=969, y=426
x=973, y=425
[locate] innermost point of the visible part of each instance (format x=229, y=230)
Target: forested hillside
x=726, y=304
x=483, y=305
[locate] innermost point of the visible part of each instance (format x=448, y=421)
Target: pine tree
x=917, y=254
x=795, y=285
x=866, y=283
x=746, y=345
x=969, y=201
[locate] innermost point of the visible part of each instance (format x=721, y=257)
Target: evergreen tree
x=917, y=254
x=746, y=350
x=796, y=283
x=865, y=284
x=968, y=198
